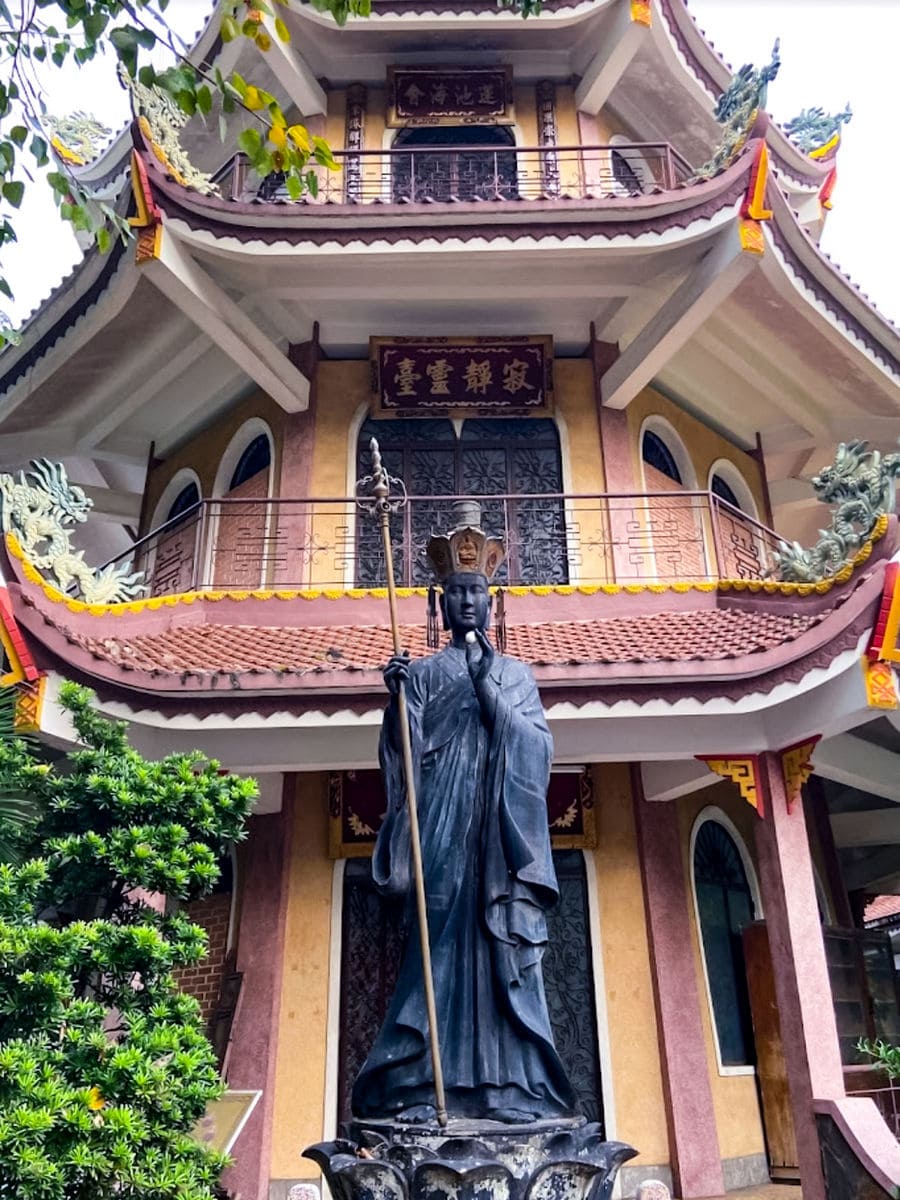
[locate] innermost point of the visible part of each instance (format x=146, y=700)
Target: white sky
x=832, y=51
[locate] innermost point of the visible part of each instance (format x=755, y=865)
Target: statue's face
x=466, y=602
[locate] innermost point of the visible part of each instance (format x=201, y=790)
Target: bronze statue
x=482, y=754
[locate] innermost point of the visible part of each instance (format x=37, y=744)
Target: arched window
x=675, y=546
x=720, y=488
x=453, y=162
x=255, y=458
x=184, y=501
x=725, y=906
x=515, y=458
x=656, y=454
x=169, y=559
x=245, y=525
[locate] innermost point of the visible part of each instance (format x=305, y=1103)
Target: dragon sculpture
x=79, y=135
x=859, y=485
x=813, y=128
x=40, y=508
x=736, y=112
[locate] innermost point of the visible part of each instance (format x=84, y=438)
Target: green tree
x=36, y=32
x=104, y=1065
x=18, y=813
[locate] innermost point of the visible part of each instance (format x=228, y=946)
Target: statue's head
x=463, y=561
x=466, y=602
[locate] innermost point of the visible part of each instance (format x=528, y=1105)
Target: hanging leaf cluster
x=104, y=1065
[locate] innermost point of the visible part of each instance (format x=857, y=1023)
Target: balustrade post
x=354, y=139
x=199, y=542
x=717, y=535
x=669, y=168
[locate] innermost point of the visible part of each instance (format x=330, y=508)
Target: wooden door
x=771, y=1071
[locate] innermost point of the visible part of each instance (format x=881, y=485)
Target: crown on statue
x=467, y=548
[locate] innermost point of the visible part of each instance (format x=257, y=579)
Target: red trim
x=26, y=662
x=876, y=642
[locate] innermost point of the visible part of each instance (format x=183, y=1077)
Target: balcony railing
x=453, y=174
x=654, y=537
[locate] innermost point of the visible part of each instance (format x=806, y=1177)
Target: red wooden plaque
x=435, y=376
x=450, y=96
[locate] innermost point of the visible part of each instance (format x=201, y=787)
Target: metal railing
x=653, y=537
x=454, y=174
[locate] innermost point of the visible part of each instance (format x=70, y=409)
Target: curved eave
x=707, y=67
x=822, y=284
x=110, y=649
x=458, y=14
x=688, y=210
x=84, y=303
x=267, y=222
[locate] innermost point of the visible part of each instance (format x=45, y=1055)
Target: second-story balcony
x=491, y=174
x=551, y=539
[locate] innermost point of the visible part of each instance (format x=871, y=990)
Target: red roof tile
x=653, y=638
x=882, y=907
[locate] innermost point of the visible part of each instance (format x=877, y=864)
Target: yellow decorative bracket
x=754, y=205
x=742, y=770
x=641, y=12
x=796, y=767
x=881, y=684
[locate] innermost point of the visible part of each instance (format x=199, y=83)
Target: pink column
x=693, y=1139
x=618, y=464
x=805, y=1006
x=295, y=521
x=264, y=865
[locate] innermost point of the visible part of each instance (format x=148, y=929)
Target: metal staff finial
x=381, y=489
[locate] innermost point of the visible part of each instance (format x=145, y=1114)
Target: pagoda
x=568, y=268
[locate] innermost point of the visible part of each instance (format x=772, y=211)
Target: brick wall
x=203, y=981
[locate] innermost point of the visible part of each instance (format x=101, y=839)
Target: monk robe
x=489, y=879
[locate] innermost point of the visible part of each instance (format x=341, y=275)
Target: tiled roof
x=879, y=910
x=237, y=649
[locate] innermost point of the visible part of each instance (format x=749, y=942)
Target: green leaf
x=250, y=141
x=312, y=183
x=204, y=99
x=103, y=239
x=18, y=134
x=282, y=30
x=13, y=191
x=39, y=150
x=187, y=101
x=294, y=187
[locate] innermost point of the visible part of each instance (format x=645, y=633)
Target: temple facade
x=567, y=268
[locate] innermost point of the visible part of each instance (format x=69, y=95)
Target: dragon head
x=70, y=504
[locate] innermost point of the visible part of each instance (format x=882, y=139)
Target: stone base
x=471, y=1160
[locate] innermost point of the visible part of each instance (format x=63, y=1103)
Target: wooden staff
x=381, y=488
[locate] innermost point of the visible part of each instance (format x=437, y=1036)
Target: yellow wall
x=300, y=1067
x=631, y=1012
x=735, y=1099
x=703, y=444
x=203, y=452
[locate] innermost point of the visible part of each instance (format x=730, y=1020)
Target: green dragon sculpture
x=41, y=508
x=860, y=486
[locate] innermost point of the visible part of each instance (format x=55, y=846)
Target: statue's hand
x=397, y=672
x=479, y=657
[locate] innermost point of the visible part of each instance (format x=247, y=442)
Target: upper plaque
x=450, y=96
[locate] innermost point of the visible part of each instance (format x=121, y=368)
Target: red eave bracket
x=22, y=665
